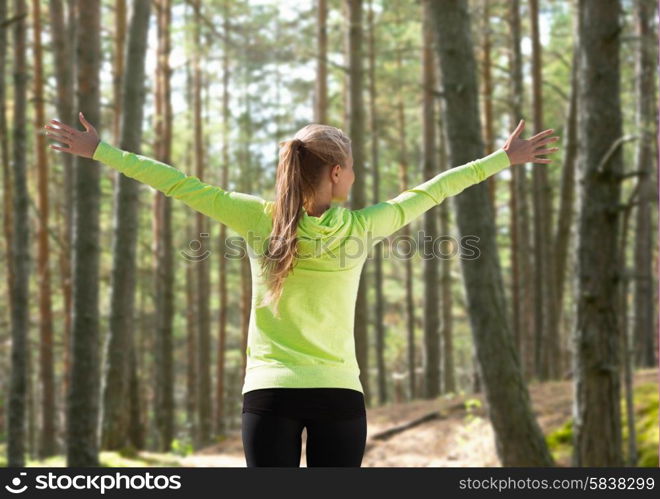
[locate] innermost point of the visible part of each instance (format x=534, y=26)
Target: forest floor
x=459, y=434
x=461, y=437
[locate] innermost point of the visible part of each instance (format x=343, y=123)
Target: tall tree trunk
x=644, y=325
x=431, y=262
x=116, y=376
x=623, y=328
x=355, y=109
x=321, y=95
x=6, y=172
x=446, y=281
x=47, y=443
x=20, y=311
x=201, y=265
x=63, y=43
x=521, y=252
x=220, y=414
x=379, y=308
x=164, y=255
x=488, y=97
x=118, y=66
x=405, y=233
x=567, y=200
x=83, y=395
x=519, y=440
x=597, y=425
x=547, y=346
x=191, y=305
x=6, y=182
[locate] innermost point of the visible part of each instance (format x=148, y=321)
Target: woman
x=307, y=253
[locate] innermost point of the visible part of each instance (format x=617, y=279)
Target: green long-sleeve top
x=310, y=344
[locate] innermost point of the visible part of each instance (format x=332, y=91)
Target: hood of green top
x=331, y=227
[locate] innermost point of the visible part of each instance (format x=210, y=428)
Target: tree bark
x=644, y=324
x=519, y=440
x=430, y=235
x=20, y=311
x=114, y=432
x=379, y=308
x=84, y=381
x=597, y=425
x=355, y=109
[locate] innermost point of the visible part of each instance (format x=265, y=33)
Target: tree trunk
x=379, y=308
x=63, y=42
x=6, y=182
x=83, y=395
x=355, y=109
x=20, y=309
x=201, y=264
x=448, y=369
x=597, y=425
x=521, y=248
x=47, y=443
x=567, y=200
x=644, y=325
x=624, y=340
x=431, y=261
x=405, y=232
x=114, y=432
x=488, y=98
x=164, y=254
x=220, y=417
x=547, y=344
x=191, y=306
x=321, y=95
x=118, y=66
x=519, y=440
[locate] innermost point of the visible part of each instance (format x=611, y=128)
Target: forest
x=124, y=313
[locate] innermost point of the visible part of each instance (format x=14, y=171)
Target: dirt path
x=463, y=438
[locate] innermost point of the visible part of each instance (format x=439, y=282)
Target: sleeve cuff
x=496, y=161
x=102, y=150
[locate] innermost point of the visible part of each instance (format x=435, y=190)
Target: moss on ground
x=560, y=441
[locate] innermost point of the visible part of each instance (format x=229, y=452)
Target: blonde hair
x=303, y=161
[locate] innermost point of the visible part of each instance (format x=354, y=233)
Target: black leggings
x=273, y=420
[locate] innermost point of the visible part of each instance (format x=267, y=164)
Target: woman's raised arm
x=385, y=218
x=240, y=212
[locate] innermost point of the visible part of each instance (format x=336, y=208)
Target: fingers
x=543, y=142
x=57, y=136
x=546, y=151
x=544, y=133
x=59, y=148
x=57, y=132
x=88, y=126
x=64, y=127
x=519, y=128
x=541, y=160
x=83, y=121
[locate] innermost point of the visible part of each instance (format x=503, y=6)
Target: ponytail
x=280, y=254
x=300, y=168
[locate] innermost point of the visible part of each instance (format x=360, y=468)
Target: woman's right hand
x=522, y=151
x=80, y=143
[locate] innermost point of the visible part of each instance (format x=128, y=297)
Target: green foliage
x=560, y=441
x=646, y=424
x=182, y=447
x=470, y=405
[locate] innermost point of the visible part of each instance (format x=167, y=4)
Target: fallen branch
x=390, y=432
x=395, y=430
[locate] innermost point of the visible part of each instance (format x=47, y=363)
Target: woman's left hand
x=523, y=151
x=80, y=143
